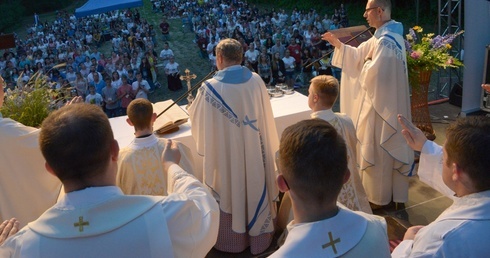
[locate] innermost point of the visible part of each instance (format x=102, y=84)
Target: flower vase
x=419, y=82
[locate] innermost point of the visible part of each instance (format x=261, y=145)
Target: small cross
x=188, y=77
x=331, y=243
x=80, y=223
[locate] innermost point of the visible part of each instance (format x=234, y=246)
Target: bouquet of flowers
x=428, y=52
x=31, y=102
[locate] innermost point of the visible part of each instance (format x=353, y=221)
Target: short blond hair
x=231, y=50
x=327, y=88
x=140, y=112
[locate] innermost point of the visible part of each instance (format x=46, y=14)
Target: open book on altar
x=169, y=120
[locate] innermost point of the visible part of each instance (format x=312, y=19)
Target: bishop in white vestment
x=374, y=89
x=235, y=131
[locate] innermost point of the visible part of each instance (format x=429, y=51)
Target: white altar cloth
x=287, y=110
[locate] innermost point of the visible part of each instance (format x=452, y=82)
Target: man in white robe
x=26, y=188
x=140, y=170
x=374, y=89
x=459, y=170
x=313, y=166
x=94, y=218
x=235, y=131
x=322, y=94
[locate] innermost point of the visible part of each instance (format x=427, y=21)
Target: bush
x=11, y=12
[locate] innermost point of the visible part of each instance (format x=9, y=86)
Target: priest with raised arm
x=374, y=90
x=235, y=132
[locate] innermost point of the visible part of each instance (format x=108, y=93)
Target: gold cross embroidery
x=80, y=223
x=331, y=243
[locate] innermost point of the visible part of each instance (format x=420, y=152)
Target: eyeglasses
x=372, y=8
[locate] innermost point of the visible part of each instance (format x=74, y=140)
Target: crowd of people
x=320, y=164
x=295, y=36
x=76, y=42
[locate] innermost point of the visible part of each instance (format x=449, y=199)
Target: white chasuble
x=235, y=131
x=374, y=90
x=27, y=189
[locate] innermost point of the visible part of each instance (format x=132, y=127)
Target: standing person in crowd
x=145, y=70
x=264, y=69
x=98, y=82
x=93, y=97
x=140, y=170
x=252, y=56
x=173, y=75
x=165, y=54
x=459, y=170
x=165, y=29
x=94, y=218
x=152, y=61
x=109, y=95
x=125, y=94
x=81, y=85
x=374, y=90
x=290, y=66
x=141, y=87
x=278, y=69
x=313, y=166
x=295, y=52
x=240, y=169
x=306, y=59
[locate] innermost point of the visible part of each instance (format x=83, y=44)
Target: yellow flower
x=418, y=29
x=409, y=37
x=430, y=35
x=448, y=46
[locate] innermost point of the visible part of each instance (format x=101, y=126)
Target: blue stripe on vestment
x=396, y=42
x=254, y=219
x=220, y=99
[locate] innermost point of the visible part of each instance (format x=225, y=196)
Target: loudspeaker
x=7, y=41
x=456, y=95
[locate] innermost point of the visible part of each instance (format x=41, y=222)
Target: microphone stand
x=196, y=86
x=330, y=52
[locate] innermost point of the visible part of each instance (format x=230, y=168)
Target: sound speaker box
x=7, y=41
